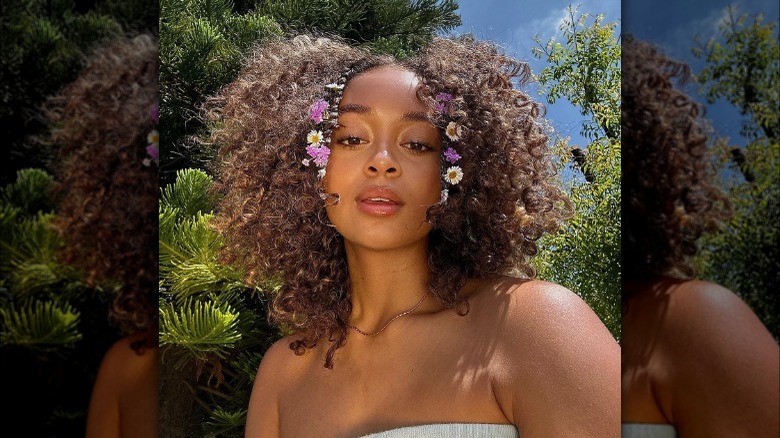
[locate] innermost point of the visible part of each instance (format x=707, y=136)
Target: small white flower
x=321, y=173
x=453, y=131
x=453, y=175
x=153, y=137
x=314, y=137
x=335, y=86
x=445, y=194
x=305, y=161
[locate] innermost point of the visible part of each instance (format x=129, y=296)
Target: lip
x=379, y=201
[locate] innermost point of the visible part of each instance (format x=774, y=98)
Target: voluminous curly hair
x=669, y=198
x=274, y=220
x=108, y=214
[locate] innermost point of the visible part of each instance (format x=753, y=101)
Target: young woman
x=399, y=203
x=105, y=125
x=696, y=360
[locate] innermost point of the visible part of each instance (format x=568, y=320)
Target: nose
x=382, y=162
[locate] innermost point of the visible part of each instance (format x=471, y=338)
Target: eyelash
x=419, y=147
x=415, y=147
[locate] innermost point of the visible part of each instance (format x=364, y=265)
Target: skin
x=124, y=398
x=529, y=353
x=695, y=356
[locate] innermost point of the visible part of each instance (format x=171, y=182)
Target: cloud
x=547, y=26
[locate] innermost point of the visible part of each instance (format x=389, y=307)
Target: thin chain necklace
x=406, y=312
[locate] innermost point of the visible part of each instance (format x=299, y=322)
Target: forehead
x=384, y=87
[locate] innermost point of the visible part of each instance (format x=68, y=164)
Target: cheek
x=431, y=180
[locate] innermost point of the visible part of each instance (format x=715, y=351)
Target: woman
x=696, y=360
x=390, y=198
x=105, y=124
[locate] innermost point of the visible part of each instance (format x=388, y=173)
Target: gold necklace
x=406, y=312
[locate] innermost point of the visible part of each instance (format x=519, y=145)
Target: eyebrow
x=415, y=116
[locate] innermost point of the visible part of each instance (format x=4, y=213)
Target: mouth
x=379, y=201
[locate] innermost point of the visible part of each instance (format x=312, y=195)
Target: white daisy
x=314, y=137
x=453, y=131
x=453, y=175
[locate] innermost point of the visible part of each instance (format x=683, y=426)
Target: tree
x=43, y=44
x=396, y=27
x=53, y=328
x=743, y=66
x=585, y=255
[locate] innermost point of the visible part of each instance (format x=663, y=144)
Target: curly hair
x=274, y=221
x=108, y=214
x=669, y=198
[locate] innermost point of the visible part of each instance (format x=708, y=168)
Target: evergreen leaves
x=41, y=325
x=200, y=327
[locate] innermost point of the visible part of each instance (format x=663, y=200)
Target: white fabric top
x=647, y=430
x=446, y=430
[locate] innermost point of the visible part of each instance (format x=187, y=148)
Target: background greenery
x=53, y=329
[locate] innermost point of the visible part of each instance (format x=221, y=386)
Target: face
x=384, y=161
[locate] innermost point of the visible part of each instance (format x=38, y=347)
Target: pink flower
x=317, y=110
x=451, y=155
x=443, y=97
x=154, y=152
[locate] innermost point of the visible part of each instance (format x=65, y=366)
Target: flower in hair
x=319, y=154
x=324, y=113
x=451, y=155
x=453, y=175
x=314, y=137
x=445, y=194
x=153, y=148
x=453, y=131
x=441, y=101
x=317, y=110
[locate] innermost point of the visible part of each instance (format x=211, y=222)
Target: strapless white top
x=446, y=430
x=647, y=430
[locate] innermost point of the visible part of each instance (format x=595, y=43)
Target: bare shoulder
x=124, y=395
x=276, y=368
x=716, y=354
x=557, y=371
x=536, y=307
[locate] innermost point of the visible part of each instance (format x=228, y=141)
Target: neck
x=385, y=283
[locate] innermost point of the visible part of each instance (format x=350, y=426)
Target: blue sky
x=672, y=26
x=513, y=23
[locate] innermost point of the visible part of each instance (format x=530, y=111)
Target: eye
x=416, y=146
x=350, y=141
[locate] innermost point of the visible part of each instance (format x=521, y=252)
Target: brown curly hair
x=669, y=198
x=274, y=221
x=108, y=214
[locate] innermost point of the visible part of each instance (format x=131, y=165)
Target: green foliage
x=30, y=192
x=200, y=327
x=745, y=257
x=41, y=325
x=225, y=423
x=743, y=67
x=29, y=245
x=202, y=44
x=396, y=27
x=585, y=255
x=208, y=317
x=43, y=43
x=585, y=69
